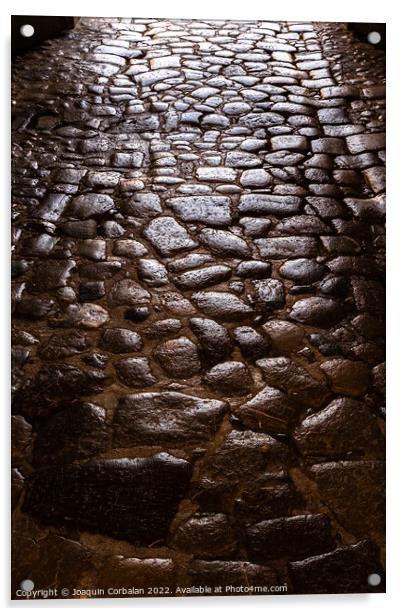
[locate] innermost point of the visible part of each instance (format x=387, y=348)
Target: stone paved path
x=198, y=342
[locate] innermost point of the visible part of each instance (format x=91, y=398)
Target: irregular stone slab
x=346, y=377
x=52, y=207
x=269, y=495
x=206, y=535
x=129, y=248
x=302, y=271
x=230, y=575
x=302, y=225
x=91, y=204
x=168, y=418
x=294, y=537
x=79, y=228
x=242, y=160
x=345, y=570
x=269, y=294
x=65, y=345
x=285, y=337
x=367, y=209
x=355, y=492
x=201, y=278
x=317, y=311
x=50, y=274
x=132, y=499
x=262, y=120
x=294, y=380
x=345, y=428
x=365, y=142
x=224, y=243
x=225, y=306
x=88, y=316
x=211, y=210
x=287, y=247
x=253, y=269
x=75, y=431
x=167, y=236
x=216, y=174
x=231, y=378
x=178, y=357
x=127, y=292
x=289, y=142
x=255, y=178
x=262, y=203
x=152, y=272
x=143, y=205
x=151, y=77
x=269, y=411
x=213, y=338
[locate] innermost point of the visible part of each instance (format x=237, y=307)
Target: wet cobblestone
x=198, y=271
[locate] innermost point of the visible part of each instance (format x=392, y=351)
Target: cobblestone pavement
x=198, y=347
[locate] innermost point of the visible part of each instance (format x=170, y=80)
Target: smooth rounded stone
x=213, y=339
x=204, y=92
x=255, y=227
x=253, y=269
x=21, y=437
x=252, y=344
x=119, y=572
x=106, y=179
x=168, y=418
x=345, y=570
x=285, y=374
x=224, y=243
x=346, y=377
x=269, y=411
x=325, y=344
x=355, y=492
x=230, y=378
x=285, y=337
x=216, y=174
x=137, y=314
x=262, y=120
x=88, y=316
x=236, y=108
x=129, y=248
x=302, y=270
x=91, y=290
x=91, y=204
x=291, y=537
x=135, y=372
x=255, y=178
x=345, y=429
x=210, y=210
x=252, y=144
x=167, y=236
x=132, y=499
x=290, y=142
x=335, y=286
x=189, y=261
x=74, y=431
x=152, y=272
x=38, y=245
x=33, y=309
x=225, y=306
x=79, y=229
x=178, y=357
x=144, y=205
x=120, y=340
x=317, y=311
x=127, y=292
x=241, y=160
x=263, y=203
x=269, y=294
x=206, y=535
x=215, y=119
x=111, y=229
x=93, y=249
x=163, y=328
x=99, y=271
x=232, y=576
x=201, y=278
x=365, y=142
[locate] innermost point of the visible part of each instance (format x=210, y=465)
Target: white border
x=337, y=10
